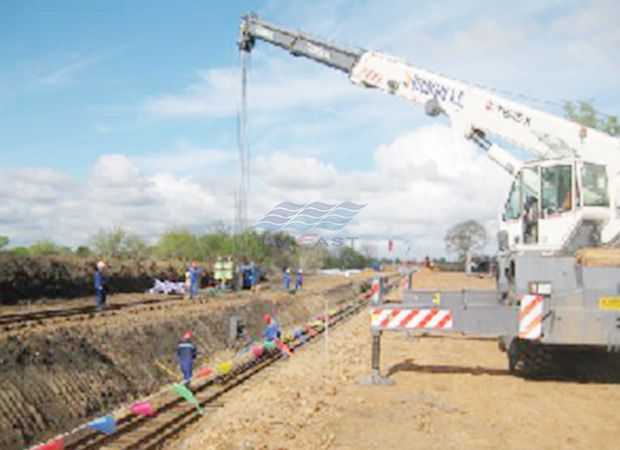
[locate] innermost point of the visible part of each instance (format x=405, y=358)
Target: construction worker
x=299, y=280
x=186, y=352
x=287, y=279
x=101, y=285
x=272, y=328
x=193, y=275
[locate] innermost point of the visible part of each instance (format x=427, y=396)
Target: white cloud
x=37, y=185
x=115, y=170
x=288, y=172
x=420, y=184
x=49, y=204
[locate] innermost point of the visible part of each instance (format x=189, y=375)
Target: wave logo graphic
x=309, y=216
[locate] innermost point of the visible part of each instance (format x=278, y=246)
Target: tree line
x=277, y=250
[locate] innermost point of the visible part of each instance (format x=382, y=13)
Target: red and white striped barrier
x=375, y=291
x=530, y=317
x=397, y=318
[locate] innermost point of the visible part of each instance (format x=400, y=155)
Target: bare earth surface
x=450, y=392
x=313, y=283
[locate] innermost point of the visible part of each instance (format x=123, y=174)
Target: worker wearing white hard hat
x=101, y=285
x=299, y=279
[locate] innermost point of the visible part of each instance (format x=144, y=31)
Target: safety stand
x=376, y=379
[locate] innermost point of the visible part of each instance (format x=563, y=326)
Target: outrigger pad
x=376, y=379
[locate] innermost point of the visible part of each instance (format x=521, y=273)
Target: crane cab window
x=556, y=187
x=594, y=182
x=513, y=205
x=531, y=185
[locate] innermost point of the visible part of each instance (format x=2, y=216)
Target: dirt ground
x=449, y=392
x=313, y=283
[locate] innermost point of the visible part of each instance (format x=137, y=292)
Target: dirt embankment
x=58, y=376
x=30, y=278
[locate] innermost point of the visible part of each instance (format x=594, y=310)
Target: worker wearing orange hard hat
x=186, y=352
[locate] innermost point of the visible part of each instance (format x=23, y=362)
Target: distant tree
x=216, y=242
x=47, y=247
x=83, y=251
x=20, y=251
x=346, y=258
x=278, y=249
x=313, y=257
x=135, y=247
x=369, y=250
x=218, y=227
x=108, y=243
x=178, y=243
x=584, y=113
x=4, y=241
x=118, y=243
x=465, y=236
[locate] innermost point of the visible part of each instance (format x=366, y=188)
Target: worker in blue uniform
x=299, y=279
x=186, y=352
x=194, y=279
x=101, y=285
x=272, y=328
x=287, y=279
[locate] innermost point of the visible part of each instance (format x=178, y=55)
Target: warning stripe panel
x=530, y=317
x=397, y=318
x=389, y=318
x=410, y=315
x=527, y=305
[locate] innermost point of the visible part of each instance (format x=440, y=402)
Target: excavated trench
x=55, y=378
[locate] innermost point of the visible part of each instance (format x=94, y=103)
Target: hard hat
x=100, y=265
x=187, y=335
x=266, y=318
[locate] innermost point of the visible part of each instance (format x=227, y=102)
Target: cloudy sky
x=125, y=113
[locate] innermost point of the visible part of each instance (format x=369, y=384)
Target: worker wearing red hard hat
x=186, y=352
x=272, y=328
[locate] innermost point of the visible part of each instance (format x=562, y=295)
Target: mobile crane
x=564, y=200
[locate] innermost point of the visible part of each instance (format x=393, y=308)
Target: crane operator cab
x=557, y=205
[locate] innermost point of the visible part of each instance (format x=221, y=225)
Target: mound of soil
x=24, y=278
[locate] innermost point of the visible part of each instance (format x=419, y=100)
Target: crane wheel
x=530, y=360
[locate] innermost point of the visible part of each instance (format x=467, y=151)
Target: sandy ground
x=450, y=392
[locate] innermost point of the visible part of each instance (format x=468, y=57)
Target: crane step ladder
x=466, y=312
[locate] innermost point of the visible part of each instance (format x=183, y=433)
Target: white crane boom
x=566, y=199
x=472, y=110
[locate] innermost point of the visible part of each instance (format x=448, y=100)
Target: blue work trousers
x=100, y=299
x=193, y=290
x=186, y=368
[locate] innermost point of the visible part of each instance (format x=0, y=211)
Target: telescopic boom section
x=475, y=112
x=348, y=60
x=297, y=43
